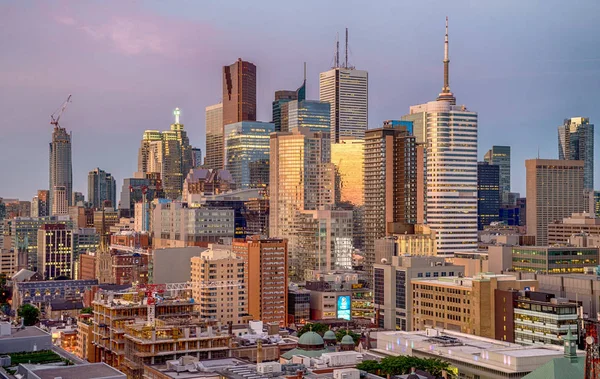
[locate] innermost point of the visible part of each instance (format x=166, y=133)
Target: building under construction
x=149, y=327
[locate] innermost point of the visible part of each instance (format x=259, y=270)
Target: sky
x=524, y=66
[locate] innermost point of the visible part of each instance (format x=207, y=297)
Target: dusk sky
x=524, y=66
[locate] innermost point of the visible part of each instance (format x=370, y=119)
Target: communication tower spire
x=346, y=63
x=446, y=94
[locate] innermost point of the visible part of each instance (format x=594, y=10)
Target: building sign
x=343, y=307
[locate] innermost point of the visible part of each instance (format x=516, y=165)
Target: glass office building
x=246, y=149
x=311, y=114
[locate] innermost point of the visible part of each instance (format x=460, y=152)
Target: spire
x=446, y=94
x=176, y=113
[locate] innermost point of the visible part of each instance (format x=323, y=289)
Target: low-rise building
x=88, y=371
x=560, y=232
x=298, y=312
x=553, y=259
x=23, y=339
x=85, y=338
x=60, y=308
x=474, y=357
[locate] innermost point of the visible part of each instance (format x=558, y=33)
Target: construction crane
x=57, y=113
x=152, y=290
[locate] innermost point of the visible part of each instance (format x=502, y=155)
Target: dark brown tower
x=239, y=92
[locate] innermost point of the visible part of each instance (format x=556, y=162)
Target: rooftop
x=88, y=371
x=29, y=331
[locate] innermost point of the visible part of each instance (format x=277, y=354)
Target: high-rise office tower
x=214, y=137
x=500, y=156
x=135, y=190
x=239, y=92
x=450, y=174
x=40, y=206
x=311, y=114
x=576, y=142
x=101, y=187
x=61, y=167
x=554, y=191
x=60, y=202
x=347, y=90
x=196, y=157
x=279, y=104
x=301, y=198
x=488, y=194
x=247, y=153
x=390, y=183
x=166, y=153
x=55, y=251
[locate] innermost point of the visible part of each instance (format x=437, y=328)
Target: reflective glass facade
x=488, y=194
x=247, y=152
x=576, y=142
x=500, y=156
x=310, y=114
x=554, y=260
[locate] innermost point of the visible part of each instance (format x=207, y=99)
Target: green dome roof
x=329, y=335
x=310, y=339
x=347, y=340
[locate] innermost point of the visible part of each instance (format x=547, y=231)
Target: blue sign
x=343, y=307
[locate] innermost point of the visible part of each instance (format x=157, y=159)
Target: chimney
x=259, y=351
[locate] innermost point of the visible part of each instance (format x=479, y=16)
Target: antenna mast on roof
x=346, y=63
x=337, y=50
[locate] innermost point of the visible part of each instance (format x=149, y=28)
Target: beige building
x=348, y=158
x=219, y=289
x=560, y=232
x=461, y=304
x=85, y=337
x=420, y=240
x=554, y=191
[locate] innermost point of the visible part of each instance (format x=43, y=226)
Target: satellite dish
x=589, y=340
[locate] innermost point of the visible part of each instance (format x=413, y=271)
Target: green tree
x=315, y=327
x=341, y=333
x=87, y=310
x=370, y=366
x=29, y=313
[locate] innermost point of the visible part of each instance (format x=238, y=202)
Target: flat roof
x=88, y=371
x=29, y=331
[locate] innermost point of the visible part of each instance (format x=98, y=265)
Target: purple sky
x=523, y=65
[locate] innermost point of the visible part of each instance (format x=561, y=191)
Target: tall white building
x=347, y=91
x=451, y=168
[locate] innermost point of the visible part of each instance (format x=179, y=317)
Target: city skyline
x=115, y=106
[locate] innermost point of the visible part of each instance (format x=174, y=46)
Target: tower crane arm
x=54, y=117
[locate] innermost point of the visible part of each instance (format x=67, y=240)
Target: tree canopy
x=29, y=313
x=315, y=327
x=87, y=310
x=402, y=364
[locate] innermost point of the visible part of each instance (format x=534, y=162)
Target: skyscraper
x=101, y=187
x=347, y=90
x=283, y=97
x=554, y=191
x=576, y=142
x=239, y=92
x=390, y=190
x=451, y=167
x=214, y=137
x=301, y=198
x=488, y=194
x=247, y=152
x=196, y=157
x=40, y=206
x=167, y=153
x=55, y=251
x=61, y=167
x=60, y=202
x=311, y=114
x=500, y=156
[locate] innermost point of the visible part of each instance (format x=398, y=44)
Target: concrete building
x=214, y=137
x=55, y=251
x=460, y=304
x=202, y=182
x=390, y=176
x=554, y=191
x=529, y=317
x=88, y=371
x=167, y=153
x=172, y=265
x=553, y=260
x=85, y=337
x=60, y=202
x=17, y=340
x=488, y=194
x=393, y=290
x=500, y=156
x=472, y=356
x=576, y=142
x=346, y=89
x=175, y=224
x=247, y=152
x=219, y=289
x=61, y=167
x=560, y=232
x=266, y=277
x=102, y=187
x=40, y=205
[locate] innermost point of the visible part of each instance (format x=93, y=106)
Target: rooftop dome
x=329, y=335
x=311, y=341
x=347, y=340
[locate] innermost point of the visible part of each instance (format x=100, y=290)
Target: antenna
x=337, y=50
x=304, y=71
x=346, y=64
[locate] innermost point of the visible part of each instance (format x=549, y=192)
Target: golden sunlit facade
x=348, y=158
